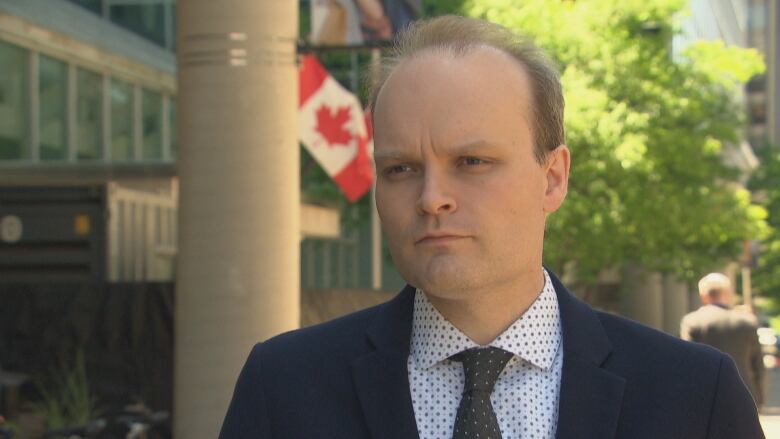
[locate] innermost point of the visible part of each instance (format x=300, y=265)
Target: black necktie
x=476, y=418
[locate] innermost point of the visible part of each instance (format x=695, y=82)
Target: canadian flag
x=334, y=129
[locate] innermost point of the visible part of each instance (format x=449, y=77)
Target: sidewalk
x=771, y=425
x=770, y=416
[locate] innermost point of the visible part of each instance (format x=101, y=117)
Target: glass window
x=89, y=118
x=172, y=127
x=757, y=84
x=92, y=5
x=121, y=121
x=147, y=20
x=52, y=107
x=151, y=111
x=757, y=111
x=14, y=103
x=757, y=16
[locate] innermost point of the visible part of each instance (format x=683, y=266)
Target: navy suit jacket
x=348, y=379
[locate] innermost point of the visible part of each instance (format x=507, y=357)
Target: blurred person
x=402, y=12
x=733, y=331
x=375, y=24
x=483, y=342
x=354, y=22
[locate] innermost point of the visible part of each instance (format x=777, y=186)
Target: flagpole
x=376, y=230
x=376, y=244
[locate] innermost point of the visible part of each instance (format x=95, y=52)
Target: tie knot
x=482, y=366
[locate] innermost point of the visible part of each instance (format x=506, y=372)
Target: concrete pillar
x=773, y=72
x=238, y=265
x=643, y=297
x=676, y=303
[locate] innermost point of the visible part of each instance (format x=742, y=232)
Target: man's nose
x=436, y=196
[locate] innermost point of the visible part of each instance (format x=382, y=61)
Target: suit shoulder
x=633, y=337
x=670, y=374
x=680, y=384
x=692, y=315
x=745, y=318
x=333, y=334
x=321, y=352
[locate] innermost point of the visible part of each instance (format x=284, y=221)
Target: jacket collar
x=583, y=334
x=590, y=396
x=381, y=377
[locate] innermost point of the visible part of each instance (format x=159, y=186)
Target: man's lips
x=439, y=238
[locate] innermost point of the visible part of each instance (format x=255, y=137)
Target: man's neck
x=487, y=313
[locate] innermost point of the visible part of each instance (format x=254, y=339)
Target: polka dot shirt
x=525, y=397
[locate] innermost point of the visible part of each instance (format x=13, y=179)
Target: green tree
x=647, y=131
x=766, y=182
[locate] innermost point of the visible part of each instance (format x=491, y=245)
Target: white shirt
x=525, y=398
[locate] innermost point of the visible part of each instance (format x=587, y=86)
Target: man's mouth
x=439, y=238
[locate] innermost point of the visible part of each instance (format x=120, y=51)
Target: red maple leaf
x=331, y=125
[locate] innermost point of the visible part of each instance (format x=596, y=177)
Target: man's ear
x=557, y=175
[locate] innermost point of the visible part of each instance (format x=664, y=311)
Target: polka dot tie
x=476, y=418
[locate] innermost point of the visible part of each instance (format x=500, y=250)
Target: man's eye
x=472, y=161
x=397, y=169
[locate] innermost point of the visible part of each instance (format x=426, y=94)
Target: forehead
x=444, y=96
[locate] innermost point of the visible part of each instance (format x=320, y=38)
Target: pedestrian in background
x=732, y=331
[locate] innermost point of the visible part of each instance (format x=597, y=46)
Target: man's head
x=457, y=36
x=715, y=288
x=470, y=155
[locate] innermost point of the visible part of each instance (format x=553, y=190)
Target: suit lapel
x=381, y=378
x=591, y=396
x=590, y=400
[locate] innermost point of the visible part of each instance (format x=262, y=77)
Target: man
x=731, y=331
x=483, y=342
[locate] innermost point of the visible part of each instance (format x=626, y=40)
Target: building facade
x=88, y=106
x=87, y=141
x=763, y=20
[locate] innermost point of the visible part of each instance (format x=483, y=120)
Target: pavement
x=770, y=415
x=771, y=425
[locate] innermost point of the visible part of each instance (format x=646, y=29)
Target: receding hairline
x=435, y=51
x=451, y=51
x=457, y=36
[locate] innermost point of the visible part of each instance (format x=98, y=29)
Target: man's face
x=461, y=198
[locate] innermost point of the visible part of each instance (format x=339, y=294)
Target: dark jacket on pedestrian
x=732, y=332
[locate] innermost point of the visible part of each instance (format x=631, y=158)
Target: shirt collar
x=535, y=336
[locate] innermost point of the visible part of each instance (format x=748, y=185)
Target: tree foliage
x=766, y=183
x=647, y=130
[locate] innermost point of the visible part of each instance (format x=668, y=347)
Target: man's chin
x=444, y=279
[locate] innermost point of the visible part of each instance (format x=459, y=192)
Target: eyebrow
x=391, y=154
x=470, y=147
x=458, y=150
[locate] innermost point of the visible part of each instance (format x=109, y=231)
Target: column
x=643, y=298
x=238, y=266
x=773, y=72
x=676, y=303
